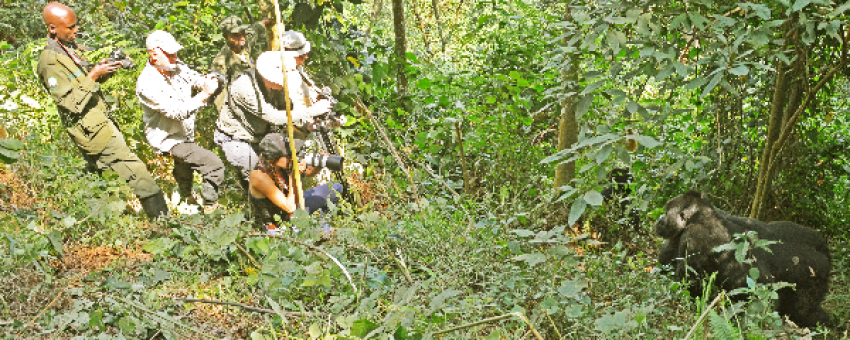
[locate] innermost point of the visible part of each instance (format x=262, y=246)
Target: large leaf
x=583, y=106
x=223, y=235
x=603, y=154
x=579, y=205
x=593, y=197
x=714, y=81
x=159, y=246
x=800, y=4
x=531, y=259
x=362, y=327
x=840, y=9
x=646, y=141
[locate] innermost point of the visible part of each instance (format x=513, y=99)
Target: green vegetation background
x=77, y=262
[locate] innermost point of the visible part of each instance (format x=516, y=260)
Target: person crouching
x=271, y=185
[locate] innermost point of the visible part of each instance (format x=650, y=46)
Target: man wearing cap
x=165, y=90
x=256, y=103
x=75, y=85
x=236, y=56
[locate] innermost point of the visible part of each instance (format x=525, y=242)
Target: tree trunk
x=421, y=24
x=439, y=25
x=784, y=113
x=568, y=126
x=376, y=11
x=400, y=52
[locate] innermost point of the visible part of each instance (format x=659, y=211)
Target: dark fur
x=615, y=194
x=692, y=227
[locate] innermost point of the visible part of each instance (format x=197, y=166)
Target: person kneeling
x=272, y=189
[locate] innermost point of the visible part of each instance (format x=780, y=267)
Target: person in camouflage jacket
x=75, y=85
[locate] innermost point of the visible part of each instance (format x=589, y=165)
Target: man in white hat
x=255, y=103
x=165, y=90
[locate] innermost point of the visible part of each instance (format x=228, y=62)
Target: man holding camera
x=75, y=85
x=256, y=103
x=165, y=90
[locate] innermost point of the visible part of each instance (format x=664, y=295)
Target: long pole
x=290, y=129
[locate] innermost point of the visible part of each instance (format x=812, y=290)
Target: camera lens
x=332, y=162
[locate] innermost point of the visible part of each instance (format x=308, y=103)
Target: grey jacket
x=249, y=114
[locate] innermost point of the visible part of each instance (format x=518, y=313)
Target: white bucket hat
x=269, y=65
x=163, y=40
x=295, y=42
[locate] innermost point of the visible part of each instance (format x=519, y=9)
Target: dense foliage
x=693, y=83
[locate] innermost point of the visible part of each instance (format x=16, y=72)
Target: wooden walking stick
x=290, y=129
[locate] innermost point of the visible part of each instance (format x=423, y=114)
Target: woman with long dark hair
x=272, y=189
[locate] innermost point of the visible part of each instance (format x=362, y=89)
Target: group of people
x=248, y=94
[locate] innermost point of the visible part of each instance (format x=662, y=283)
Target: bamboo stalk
x=290, y=129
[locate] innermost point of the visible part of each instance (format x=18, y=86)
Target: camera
x=119, y=55
x=332, y=162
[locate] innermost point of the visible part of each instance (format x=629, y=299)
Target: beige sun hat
x=163, y=40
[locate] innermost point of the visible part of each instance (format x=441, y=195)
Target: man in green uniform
x=75, y=85
x=237, y=55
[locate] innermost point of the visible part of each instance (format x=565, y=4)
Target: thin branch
x=493, y=319
x=390, y=146
x=74, y=280
x=402, y=266
x=163, y=317
x=704, y=314
x=245, y=307
x=328, y=255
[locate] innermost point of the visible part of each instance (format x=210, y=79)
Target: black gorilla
x=692, y=227
x=615, y=193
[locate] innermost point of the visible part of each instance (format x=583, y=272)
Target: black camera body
x=119, y=55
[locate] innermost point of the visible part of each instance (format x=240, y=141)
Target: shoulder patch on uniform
x=52, y=82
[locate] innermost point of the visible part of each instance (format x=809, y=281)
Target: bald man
x=75, y=85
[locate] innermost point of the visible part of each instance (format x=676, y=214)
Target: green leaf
x=800, y=4
x=159, y=246
x=223, y=235
x=571, y=288
x=127, y=324
x=232, y=220
x=515, y=75
x=714, y=81
x=604, y=154
x=578, y=207
x=439, y=301
x=696, y=83
x=523, y=232
x=531, y=259
x=362, y=327
x=96, y=319
x=55, y=238
x=839, y=10
x=592, y=87
x=646, y=141
x=8, y=157
x=423, y=83
x=583, y=106
x=11, y=144
x=741, y=70
x=181, y=4
x=593, y=197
